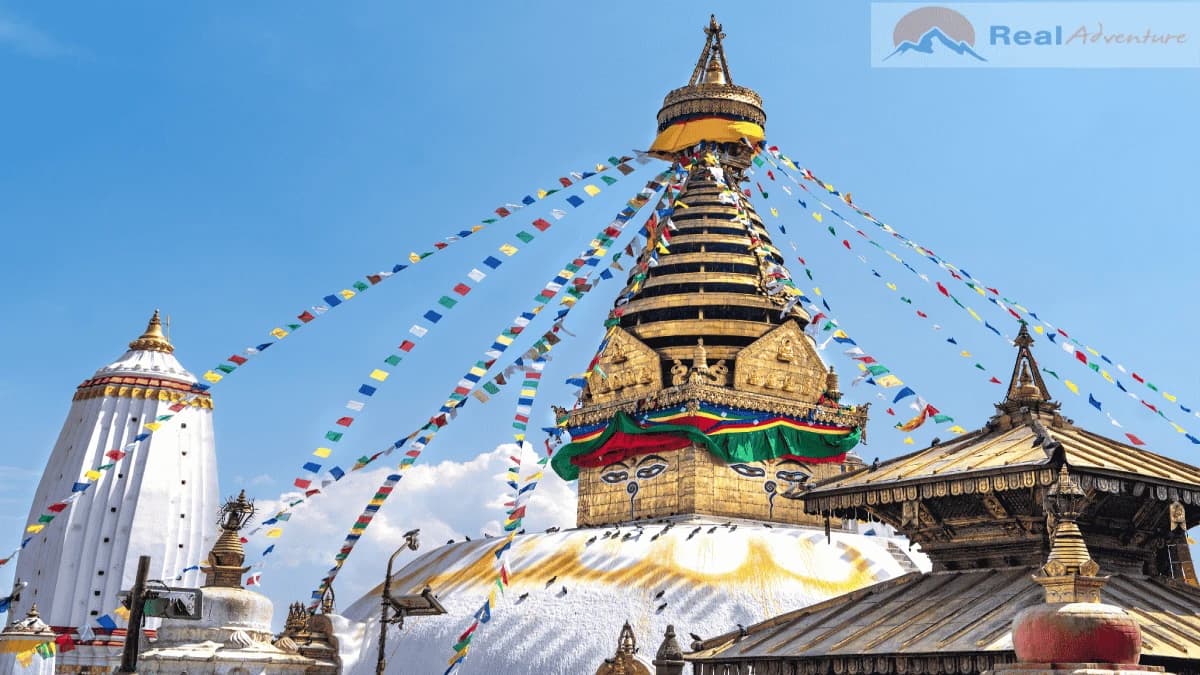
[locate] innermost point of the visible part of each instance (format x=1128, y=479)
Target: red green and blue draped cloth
x=730, y=434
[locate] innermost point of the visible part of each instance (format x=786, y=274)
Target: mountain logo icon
x=927, y=29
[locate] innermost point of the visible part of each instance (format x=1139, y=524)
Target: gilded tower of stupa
x=708, y=397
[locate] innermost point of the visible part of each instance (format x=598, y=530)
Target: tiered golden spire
x=224, y=566
x=153, y=340
x=1069, y=574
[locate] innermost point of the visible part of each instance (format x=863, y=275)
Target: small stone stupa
x=28, y=646
x=234, y=633
x=1073, y=631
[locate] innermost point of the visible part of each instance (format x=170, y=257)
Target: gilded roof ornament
x=153, y=340
x=1070, y=574
x=224, y=566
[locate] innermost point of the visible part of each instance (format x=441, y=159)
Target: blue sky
x=233, y=164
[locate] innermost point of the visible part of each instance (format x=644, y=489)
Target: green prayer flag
x=225, y=368
x=608, y=180
x=334, y=436
x=361, y=286
x=447, y=302
x=392, y=360
x=939, y=418
x=491, y=388
x=524, y=236
x=45, y=518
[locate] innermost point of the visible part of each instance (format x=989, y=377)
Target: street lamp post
x=423, y=604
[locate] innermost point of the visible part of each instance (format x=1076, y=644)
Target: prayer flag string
x=1070, y=345
x=313, y=466
x=439, y=421
x=235, y=361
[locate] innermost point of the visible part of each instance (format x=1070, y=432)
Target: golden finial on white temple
x=153, y=339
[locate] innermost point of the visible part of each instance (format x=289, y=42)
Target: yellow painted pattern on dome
x=760, y=561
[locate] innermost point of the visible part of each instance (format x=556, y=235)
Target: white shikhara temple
x=157, y=501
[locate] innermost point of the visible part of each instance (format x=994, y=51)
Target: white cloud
x=447, y=500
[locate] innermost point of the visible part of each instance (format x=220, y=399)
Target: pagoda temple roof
x=988, y=451
x=1026, y=433
x=956, y=621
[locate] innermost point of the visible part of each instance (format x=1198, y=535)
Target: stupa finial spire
x=712, y=68
x=153, y=340
x=1026, y=384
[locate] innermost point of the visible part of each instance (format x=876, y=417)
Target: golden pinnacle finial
x=1026, y=385
x=712, y=68
x=153, y=340
x=1069, y=574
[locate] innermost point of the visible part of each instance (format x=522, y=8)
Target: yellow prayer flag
x=592, y=190
x=459, y=654
x=862, y=366
x=92, y=475
x=476, y=370
x=774, y=211
x=966, y=353
x=542, y=194
x=274, y=533
x=957, y=429
x=122, y=612
x=153, y=426
x=504, y=340
x=789, y=163
x=818, y=217
x=346, y=293
x=322, y=452
x=1170, y=397
x=816, y=291
x=508, y=249
x=1091, y=351
x=476, y=228
x=1072, y=386
x=1191, y=542
x=35, y=528
x=973, y=314
x=908, y=440
x=25, y=658
x=1105, y=375
x=379, y=375
x=212, y=377
x=888, y=381
x=279, y=333
x=1039, y=330
x=529, y=392
x=891, y=286
x=980, y=291
x=414, y=257
x=376, y=502
x=1179, y=428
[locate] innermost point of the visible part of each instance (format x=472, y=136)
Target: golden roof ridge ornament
x=153, y=340
x=1070, y=574
x=1027, y=392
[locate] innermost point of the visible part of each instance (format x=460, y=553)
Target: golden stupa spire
x=712, y=68
x=153, y=339
x=1070, y=574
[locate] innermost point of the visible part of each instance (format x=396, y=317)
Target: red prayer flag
x=1135, y=440
x=541, y=224
x=305, y=318
x=846, y=243
x=65, y=643
x=302, y=483
x=407, y=346
x=891, y=412
x=345, y=421
x=462, y=289
x=1138, y=378
x=116, y=455
x=439, y=245
x=502, y=212
x=58, y=507
x=237, y=359
x=942, y=289
x=921, y=314
x=995, y=381
x=566, y=182
x=1081, y=357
